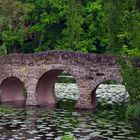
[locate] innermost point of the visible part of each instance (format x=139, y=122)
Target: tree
x=12, y=20
x=94, y=38
x=73, y=30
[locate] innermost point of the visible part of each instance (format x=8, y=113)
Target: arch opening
x=109, y=92
x=12, y=90
x=55, y=86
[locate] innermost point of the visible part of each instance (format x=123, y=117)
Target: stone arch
x=12, y=89
x=60, y=67
x=45, y=89
x=103, y=81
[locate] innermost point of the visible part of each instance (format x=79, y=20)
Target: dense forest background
x=95, y=26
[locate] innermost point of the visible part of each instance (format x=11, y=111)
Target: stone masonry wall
x=89, y=70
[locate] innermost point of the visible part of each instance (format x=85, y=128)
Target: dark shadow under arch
x=12, y=89
x=45, y=89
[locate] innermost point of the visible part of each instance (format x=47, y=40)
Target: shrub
x=3, y=50
x=131, y=80
x=133, y=112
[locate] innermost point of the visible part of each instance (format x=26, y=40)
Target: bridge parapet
x=75, y=58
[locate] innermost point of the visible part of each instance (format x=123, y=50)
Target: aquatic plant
x=68, y=137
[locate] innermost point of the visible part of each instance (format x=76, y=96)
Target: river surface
x=40, y=123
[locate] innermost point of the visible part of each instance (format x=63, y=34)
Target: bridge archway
x=107, y=91
x=12, y=89
x=45, y=90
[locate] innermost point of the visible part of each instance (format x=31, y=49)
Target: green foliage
x=114, y=14
x=123, y=19
x=67, y=104
x=7, y=110
x=130, y=37
x=68, y=137
x=3, y=50
x=25, y=93
x=88, y=26
x=34, y=26
x=131, y=78
x=12, y=18
x=65, y=80
x=74, y=20
x=131, y=52
x=133, y=112
x=94, y=38
x=65, y=77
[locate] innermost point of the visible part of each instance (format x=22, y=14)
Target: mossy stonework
x=38, y=73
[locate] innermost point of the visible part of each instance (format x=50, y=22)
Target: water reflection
x=41, y=123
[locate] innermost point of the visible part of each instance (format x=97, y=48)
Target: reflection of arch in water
x=12, y=89
x=45, y=89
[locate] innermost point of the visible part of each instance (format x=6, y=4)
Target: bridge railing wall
x=75, y=58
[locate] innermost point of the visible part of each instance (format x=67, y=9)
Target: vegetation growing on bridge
x=99, y=26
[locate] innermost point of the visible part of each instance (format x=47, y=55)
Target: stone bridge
x=31, y=77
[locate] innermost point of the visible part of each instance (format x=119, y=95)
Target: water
x=40, y=123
